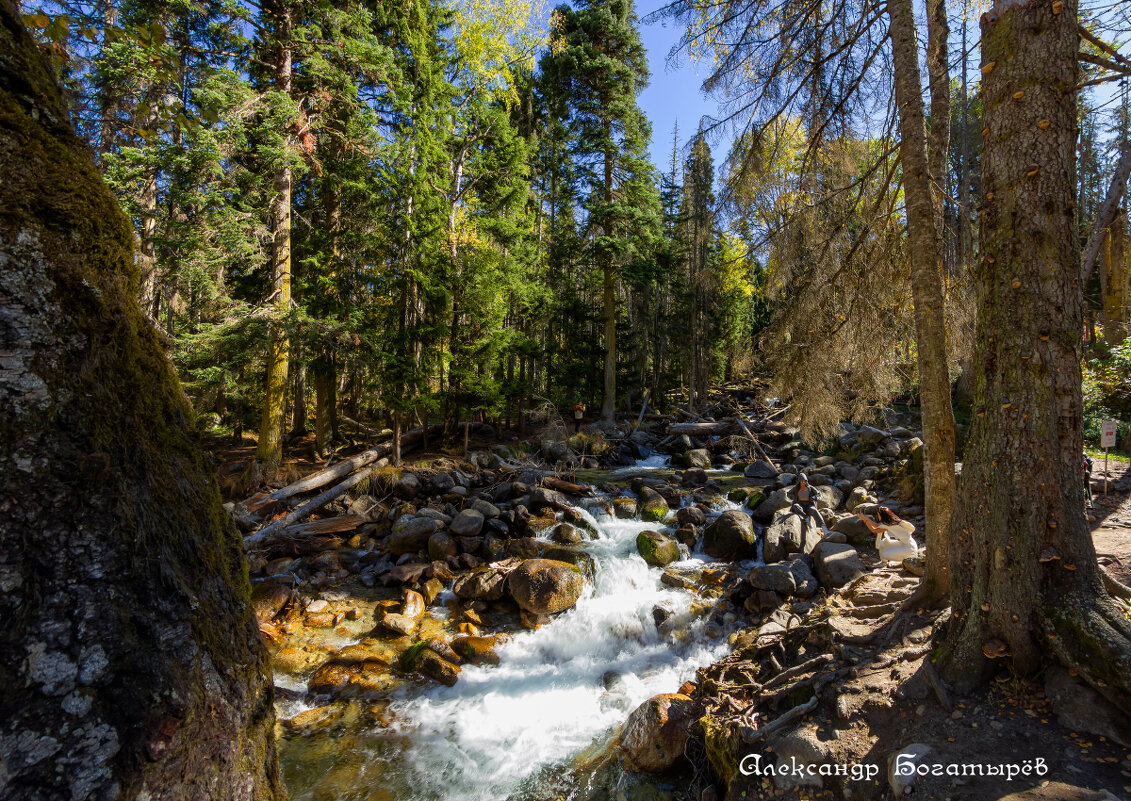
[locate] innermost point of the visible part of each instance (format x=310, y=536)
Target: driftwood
x=751, y=735
x=259, y=501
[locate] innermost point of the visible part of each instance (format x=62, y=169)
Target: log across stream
x=522, y=728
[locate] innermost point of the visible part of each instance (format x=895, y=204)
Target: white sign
x=1107, y=434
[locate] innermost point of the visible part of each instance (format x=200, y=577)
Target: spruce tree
x=598, y=64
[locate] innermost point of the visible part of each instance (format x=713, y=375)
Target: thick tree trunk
x=130, y=662
x=270, y=448
x=938, y=72
x=1024, y=567
x=925, y=245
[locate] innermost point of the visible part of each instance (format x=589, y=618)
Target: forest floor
x=1111, y=530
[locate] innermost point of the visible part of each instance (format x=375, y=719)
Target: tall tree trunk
x=938, y=72
x=130, y=661
x=1025, y=573
x=609, y=299
x=270, y=448
x=1113, y=281
x=325, y=401
x=298, y=413
x=925, y=245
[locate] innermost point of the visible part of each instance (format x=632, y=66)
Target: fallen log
x=307, y=509
x=568, y=487
x=701, y=429
x=261, y=500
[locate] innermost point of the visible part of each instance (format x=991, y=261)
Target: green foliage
x=1107, y=392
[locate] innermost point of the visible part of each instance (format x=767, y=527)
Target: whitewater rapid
x=561, y=687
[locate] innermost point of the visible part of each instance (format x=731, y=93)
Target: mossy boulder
x=624, y=508
x=656, y=548
x=582, y=559
x=545, y=586
x=653, y=507
x=723, y=746
x=731, y=537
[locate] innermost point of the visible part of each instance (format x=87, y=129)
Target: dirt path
x=1111, y=530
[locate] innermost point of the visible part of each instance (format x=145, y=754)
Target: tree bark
x=938, y=82
x=925, y=245
x=130, y=661
x=1024, y=567
x=298, y=413
x=270, y=447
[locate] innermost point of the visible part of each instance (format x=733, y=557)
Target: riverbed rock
x=694, y=477
x=411, y=534
x=545, y=586
x=837, y=564
x=341, y=678
x=467, y=523
x=782, y=537
x=656, y=548
x=653, y=507
x=624, y=508
x=477, y=650
x=566, y=534
x=760, y=469
x=407, y=486
x=776, y=578
x=441, y=546
x=774, y=502
x=697, y=457
x=575, y=556
x=485, y=584
x=398, y=624
x=690, y=516
x=731, y=537
x=855, y=530
x=655, y=735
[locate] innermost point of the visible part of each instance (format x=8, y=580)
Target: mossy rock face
x=656, y=548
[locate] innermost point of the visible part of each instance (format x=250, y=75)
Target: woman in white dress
x=893, y=535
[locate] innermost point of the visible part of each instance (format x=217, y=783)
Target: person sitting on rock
x=805, y=504
x=893, y=535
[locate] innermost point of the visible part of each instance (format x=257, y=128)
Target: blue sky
x=674, y=93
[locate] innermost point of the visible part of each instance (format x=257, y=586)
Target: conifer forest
x=479, y=400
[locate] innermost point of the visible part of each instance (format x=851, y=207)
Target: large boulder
x=545, y=586
x=760, y=469
x=653, y=507
x=624, y=508
x=697, y=457
x=868, y=436
x=411, y=534
x=655, y=735
x=486, y=584
x=774, y=502
x=467, y=523
x=731, y=537
x=782, y=537
x=690, y=516
x=575, y=556
x=657, y=549
x=801, y=568
x=837, y=564
x=855, y=530
x=828, y=497
x=775, y=578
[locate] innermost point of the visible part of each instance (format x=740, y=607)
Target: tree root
x=1114, y=588
x=1092, y=635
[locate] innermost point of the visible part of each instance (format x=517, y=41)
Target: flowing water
x=556, y=691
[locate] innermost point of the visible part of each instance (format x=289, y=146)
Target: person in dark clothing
x=805, y=503
x=1087, y=480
